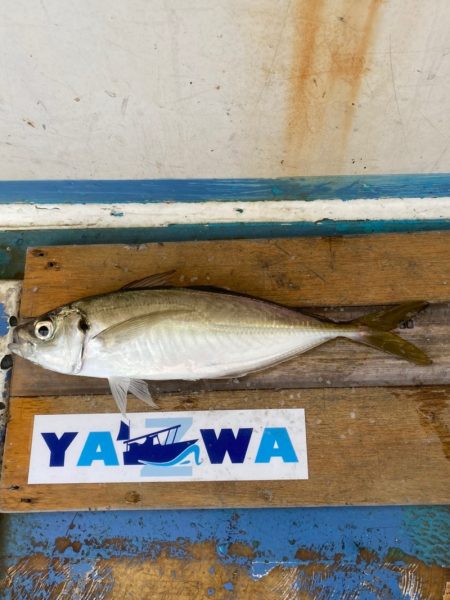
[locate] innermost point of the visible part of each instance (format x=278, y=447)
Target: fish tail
x=374, y=330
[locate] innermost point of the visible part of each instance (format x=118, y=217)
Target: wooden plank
x=337, y=364
x=346, y=271
x=365, y=446
x=351, y=270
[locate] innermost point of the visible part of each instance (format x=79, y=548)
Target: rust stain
x=330, y=58
x=353, y=68
x=434, y=413
x=302, y=118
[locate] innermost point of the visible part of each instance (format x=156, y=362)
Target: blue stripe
x=14, y=244
x=347, y=187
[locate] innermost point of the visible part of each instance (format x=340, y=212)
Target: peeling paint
x=64, y=542
x=418, y=580
x=397, y=575
x=364, y=553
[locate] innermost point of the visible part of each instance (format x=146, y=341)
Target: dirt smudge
x=332, y=42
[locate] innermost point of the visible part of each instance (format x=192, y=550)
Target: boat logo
x=162, y=451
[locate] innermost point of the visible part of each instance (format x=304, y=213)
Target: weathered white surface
x=62, y=216
x=237, y=88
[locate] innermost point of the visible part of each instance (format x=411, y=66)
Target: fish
x=149, y=330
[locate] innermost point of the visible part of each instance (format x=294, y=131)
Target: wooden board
x=365, y=446
x=338, y=271
x=352, y=271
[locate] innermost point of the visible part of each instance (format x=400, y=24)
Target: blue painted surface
x=14, y=244
x=354, y=545
x=345, y=187
x=3, y=321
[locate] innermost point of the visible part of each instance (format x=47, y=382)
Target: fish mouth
x=20, y=346
x=15, y=348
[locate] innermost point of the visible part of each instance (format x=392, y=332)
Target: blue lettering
x=236, y=446
x=275, y=442
x=98, y=446
x=58, y=446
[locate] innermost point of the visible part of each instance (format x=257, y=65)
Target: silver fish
x=178, y=333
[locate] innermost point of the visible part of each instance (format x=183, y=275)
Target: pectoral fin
x=139, y=388
x=120, y=386
x=119, y=390
x=121, y=332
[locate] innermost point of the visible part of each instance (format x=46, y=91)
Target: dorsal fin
x=152, y=281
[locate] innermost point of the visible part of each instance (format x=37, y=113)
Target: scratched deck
x=376, y=426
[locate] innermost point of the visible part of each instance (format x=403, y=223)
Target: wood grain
x=365, y=446
x=338, y=271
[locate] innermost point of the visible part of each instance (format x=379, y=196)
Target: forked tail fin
x=375, y=330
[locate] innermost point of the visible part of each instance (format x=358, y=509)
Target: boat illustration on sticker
x=161, y=452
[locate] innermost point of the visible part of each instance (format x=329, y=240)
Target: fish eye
x=44, y=330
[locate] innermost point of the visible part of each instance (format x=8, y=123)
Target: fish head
x=54, y=340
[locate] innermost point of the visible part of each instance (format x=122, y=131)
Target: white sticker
x=223, y=445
